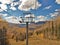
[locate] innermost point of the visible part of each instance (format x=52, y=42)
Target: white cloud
x=28, y=4
x=58, y=1
x=3, y=15
x=13, y=8
x=3, y=7
x=57, y=10
x=1, y=10
x=48, y=7
x=30, y=15
x=13, y=19
x=41, y=18
x=54, y=14
x=6, y=1
x=14, y=3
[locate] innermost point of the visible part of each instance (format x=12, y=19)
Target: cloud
x=57, y=10
x=13, y=8
x=30, y=15
x=28, y=4
x=41, y=18
x=13, y=19
x=3, y=7
x=3, y=15
x=6, y=1
x=58, y=1
x=54, y=14
x=14, y=3
x=1, y=10
x=48, y=7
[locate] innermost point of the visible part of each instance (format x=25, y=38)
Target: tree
x=3, y=36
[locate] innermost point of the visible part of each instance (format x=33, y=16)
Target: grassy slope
x=34, y=40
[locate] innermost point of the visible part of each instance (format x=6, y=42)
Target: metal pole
x=26, y=33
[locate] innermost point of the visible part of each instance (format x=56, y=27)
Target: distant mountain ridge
x=41, y=22
x=24, y=25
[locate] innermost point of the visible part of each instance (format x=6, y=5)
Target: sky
x=12, y=10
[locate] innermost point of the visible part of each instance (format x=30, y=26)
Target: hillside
x=47, y=32
x=44, y=34
x=51, y=29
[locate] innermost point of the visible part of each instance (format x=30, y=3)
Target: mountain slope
x=51, y=29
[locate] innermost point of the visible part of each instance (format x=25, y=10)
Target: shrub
x=38, y=32
x=20, y=37
x=30, y=33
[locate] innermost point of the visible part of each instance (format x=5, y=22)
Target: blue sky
x=45, y=9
